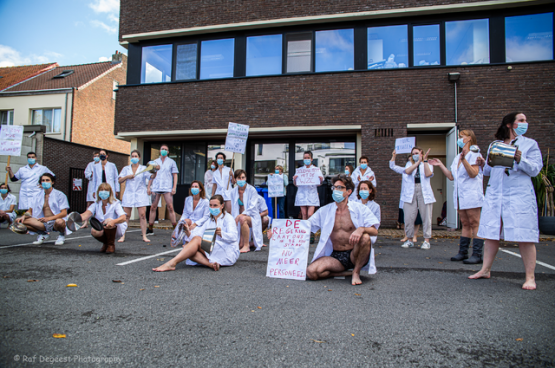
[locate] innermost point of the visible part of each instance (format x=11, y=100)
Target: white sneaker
x=41, y=239
x=408, y=244
x=425, y=245
x=60, y=241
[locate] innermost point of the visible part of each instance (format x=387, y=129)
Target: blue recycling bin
x=263, y=192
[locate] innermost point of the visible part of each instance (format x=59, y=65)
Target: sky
x=68, y=32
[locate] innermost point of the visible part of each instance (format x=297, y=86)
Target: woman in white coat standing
x=468, y=195
x=510, y=211
x=105, y=172
x=362, y=173
x=417, y=194
x=222, y=180
x=307, y=195
x=89, y=171
x=209, y=179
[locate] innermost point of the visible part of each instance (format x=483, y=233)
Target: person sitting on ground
x=47, y=212
x=226, y=247
x=345, y=241
x=195, y=211
x=7, y=205
x=263, y=210
x=108, y=210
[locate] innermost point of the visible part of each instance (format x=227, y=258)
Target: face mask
x=307, y=162
x=46, y=185
x=415, y=157
x=220, y=161
x=134, y=160
x=215, y=211
x=31, y=161
x=460, y=142
x=164, y=153
x=195, y=191
x=521, y=129
x=363, y=166
x=338, y=196
x=96, y=159
x=212, y=167
x=3, y=191
x=277, y=172
x=364, y=194
x=347, y=172
x=103, y=157
x=104, y=194
x=241, y=183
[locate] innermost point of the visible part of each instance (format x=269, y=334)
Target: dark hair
x=503, y=132
x=164, y=145
x=351, y=168
x=370, y=186
x=7, y=186
x=95, y=153
x=238, y=173
x=363, y=158
x=220, y=199
x=100, y=150
x=201, y=192
x=345, y=179
x=31, y=153
x=52, y=177
x=136, y=151
x=308, y=153
x=220, y=153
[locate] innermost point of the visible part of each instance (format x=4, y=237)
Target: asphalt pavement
x=418, y=310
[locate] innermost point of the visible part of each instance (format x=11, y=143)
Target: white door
x=451, y=151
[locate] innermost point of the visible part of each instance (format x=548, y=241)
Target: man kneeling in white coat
x=345, y=243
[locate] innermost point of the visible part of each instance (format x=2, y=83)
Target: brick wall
x=93, y=112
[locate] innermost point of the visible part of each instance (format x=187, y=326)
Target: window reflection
x=194, y=162
x=426, y=45
x=186, y=62
x=269, y=155
x=388, y=47
x=299, y=51
x=216, y=58
x=529, y=37
x=335, y=50
x=264, y=55
x=156, y=64
x=467, y=42
x=330, y=157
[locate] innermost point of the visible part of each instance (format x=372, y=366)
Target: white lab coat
x=111, y=176
x=198, y=216
x=407, y=191
x=89, y=176
x=226, y=247
x=6, y=203
x=469, y=191
x=250, y=202
x=208, y=183
x=367, y=175
x=30, y=186
x=372, y=206
x=163, y=182
x=510, y=211
x=113, y=211
x=221, y=180
x=135, y=194
x=324, y=220
x=262, y=206
x=57, y=201
x=307, y=195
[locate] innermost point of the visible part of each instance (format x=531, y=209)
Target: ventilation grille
x=383, y=132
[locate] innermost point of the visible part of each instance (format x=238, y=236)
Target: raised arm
x=428, y=171
x=437, y=162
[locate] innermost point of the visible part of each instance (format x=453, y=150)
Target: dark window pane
x=467, y=42
x=335, y=50
x=388, y=47
x=529, y=37
x=156, y=64
x=216, y=59
x=186, y=62
x=194, y=162
x=426, y=45
x=264, y=55
x=299, y=50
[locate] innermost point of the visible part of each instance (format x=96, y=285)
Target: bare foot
x=529, y=285
x=356, y=279
x=215, y=266
x=145, y=239
x=245, y=249
x=404, y=239
x=164, y=267
x=415, y=239
x=480, y=275
x=122, y=239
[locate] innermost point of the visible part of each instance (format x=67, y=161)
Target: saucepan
x=18, y=228
x=501, y=154
x=74, y=221
x=208, y=240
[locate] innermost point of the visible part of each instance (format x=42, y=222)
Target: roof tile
x=15, y=74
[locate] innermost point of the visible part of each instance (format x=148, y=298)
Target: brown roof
x=82, y=74
x=14, y=74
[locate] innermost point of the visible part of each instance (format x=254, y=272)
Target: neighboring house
x=76, y=103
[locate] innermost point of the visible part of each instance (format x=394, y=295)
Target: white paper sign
x=236, y=139
x=404, y=145
x=288, y=255
x=275, y=186
x=308, y=176
x=77, y=185
x=10, y=140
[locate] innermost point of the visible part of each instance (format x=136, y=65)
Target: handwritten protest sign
x=275, y=186
x=404, y=145
x=308, y=176
x=236, y=139
x=288, y=255
x=10, y=140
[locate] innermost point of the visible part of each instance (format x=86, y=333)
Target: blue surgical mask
x=364, y=194
x=220, y=161
x=164, y=152
x=338, y=196
x=307, y=162
x=46, y=185
x=460, y=142
x=3, y=191
x=215, y=211
x=521, y=129
x=96, y=159
x=212, y=167
x=134, y=160
x=31, y=161
x=104, y=194
x=277, y=172
x=415, y=157
x=347, y=172
x=363, y=166
x=195, y=191
x=241, y=183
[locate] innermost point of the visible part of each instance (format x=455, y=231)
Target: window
x=259, y=149
x=64, y=74
x=264, y=55
x=388, y=47
x=299, y=51
x=186, y=62
x=335, y=50
x=467, y=42
x=194, y=158
x=529, y=37
x=426, y=45
x=156, y=64
x=51, y=118
x=216, y=58
x=6, y=117
x=115, y=85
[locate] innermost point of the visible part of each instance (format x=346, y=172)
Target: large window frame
x=6, y=117
x=55, y=111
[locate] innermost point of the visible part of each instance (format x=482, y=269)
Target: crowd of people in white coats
x=348, y=226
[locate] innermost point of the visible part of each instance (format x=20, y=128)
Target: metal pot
x=501, y=154
x=208, y=240
x=74, y=221
x=18, y=228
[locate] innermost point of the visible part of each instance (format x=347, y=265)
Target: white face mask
x=415, y=157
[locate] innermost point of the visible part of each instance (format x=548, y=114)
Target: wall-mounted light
x=453, y=77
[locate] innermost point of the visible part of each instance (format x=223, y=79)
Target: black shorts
x=344, y=258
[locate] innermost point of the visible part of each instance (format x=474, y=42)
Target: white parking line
x=518, y=255
x=53, y=241
x=147, y=257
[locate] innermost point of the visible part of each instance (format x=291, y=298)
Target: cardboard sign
x=77, y=185
x=308, y=176
x=10, y=140
x=236, y=139
x=275, y=186
x=404, y=145
x=288, y=255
